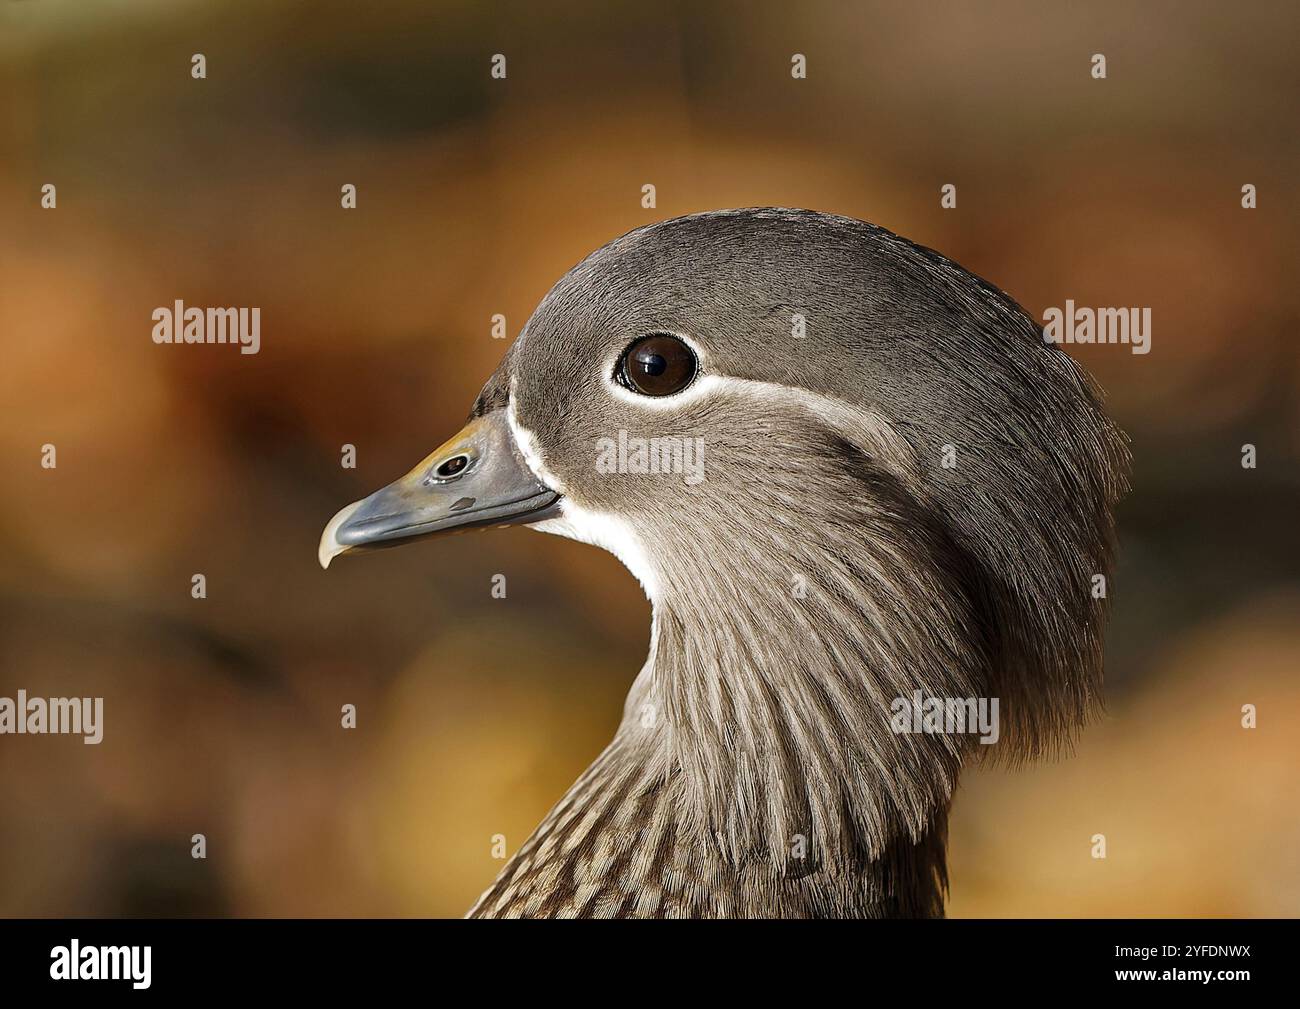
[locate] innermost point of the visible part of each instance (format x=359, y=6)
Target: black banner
x=91, y=959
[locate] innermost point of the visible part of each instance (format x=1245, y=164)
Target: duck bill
x=478, y=478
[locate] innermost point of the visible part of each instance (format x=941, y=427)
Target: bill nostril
x=448, y=470
x=452, y=466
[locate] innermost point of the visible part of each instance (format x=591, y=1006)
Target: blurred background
x=474, y=195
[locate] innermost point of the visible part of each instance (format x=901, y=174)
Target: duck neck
x=720, y=816
x=783, y=739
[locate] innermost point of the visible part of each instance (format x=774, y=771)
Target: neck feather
x=773, y=671
x=755, y=772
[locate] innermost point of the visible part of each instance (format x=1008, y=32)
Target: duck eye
x=657, y=365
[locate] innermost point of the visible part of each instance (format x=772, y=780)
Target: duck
x=896, y=489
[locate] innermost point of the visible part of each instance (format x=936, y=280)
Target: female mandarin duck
x=901, y=489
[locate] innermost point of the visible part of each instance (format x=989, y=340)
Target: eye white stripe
x=615, y=534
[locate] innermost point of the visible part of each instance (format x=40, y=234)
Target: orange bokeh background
x=474, y=196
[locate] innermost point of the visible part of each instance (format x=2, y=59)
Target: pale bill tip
x=330, y=547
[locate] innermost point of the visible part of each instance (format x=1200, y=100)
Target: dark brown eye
x=657, y=365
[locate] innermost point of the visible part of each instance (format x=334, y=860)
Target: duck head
x=843, y=468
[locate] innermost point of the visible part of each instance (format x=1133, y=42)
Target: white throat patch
x=609, y=532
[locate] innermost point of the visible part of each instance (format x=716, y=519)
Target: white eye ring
x=687, y=393
x=657, y=364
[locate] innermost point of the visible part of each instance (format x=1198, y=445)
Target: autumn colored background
x=474, y=196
